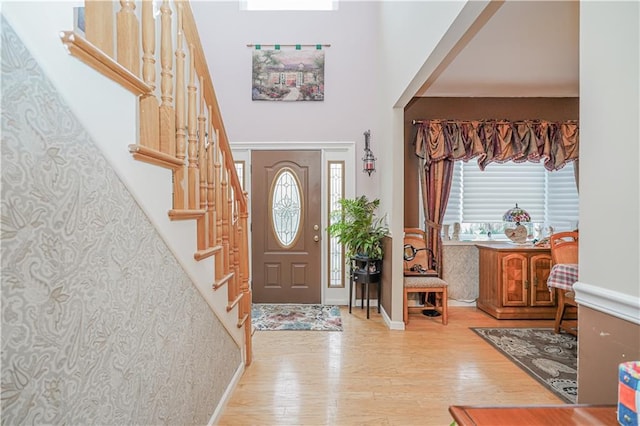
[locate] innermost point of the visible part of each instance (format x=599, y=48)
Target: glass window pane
x=240, y=172
x=262, y=5
x=286, y=207
x=336, y=252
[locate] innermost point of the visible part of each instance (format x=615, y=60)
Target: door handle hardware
x=316, y=238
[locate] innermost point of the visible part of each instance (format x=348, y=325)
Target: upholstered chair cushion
x=417, y=282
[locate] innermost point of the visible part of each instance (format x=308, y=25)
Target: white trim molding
x=610, y=302
x=393, y=325
x=275, y=145
x=226, y=396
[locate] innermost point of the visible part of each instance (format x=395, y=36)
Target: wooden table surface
x=565, y=415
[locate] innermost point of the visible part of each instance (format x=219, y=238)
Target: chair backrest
x=423, y=258
x=564, y=247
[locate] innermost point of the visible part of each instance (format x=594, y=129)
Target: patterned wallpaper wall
x=100, y=324
x=461, y=271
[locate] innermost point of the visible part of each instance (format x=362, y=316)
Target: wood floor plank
x=370, y=375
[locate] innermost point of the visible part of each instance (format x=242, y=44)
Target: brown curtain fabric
x=440, y=142
x=554, y=143
x=436, y=184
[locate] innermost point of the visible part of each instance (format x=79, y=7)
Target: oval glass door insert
x=286, y=207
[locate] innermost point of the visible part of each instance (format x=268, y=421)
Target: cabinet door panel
x=540, y=266
x=514, y=280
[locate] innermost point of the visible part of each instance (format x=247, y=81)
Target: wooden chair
x=421, y=275
x=564, y=249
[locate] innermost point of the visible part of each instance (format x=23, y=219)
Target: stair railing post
x=167, y=112
x=98, y=16
x=233, y=282
x=236, y=249
x=211, y=210
x=193, y=190
x=179, y=180
x=127, y=37
x=244, y=283
x=224, y=206
x=220, y=271
x=149, y=109
x=203, y=222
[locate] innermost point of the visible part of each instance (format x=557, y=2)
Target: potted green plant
x=358, y=229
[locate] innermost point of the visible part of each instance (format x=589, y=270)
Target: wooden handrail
x=91, y=55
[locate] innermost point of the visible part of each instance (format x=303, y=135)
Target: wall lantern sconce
x=368, y=161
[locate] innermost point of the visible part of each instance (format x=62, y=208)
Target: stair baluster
x=149, y=112
x=167, y=113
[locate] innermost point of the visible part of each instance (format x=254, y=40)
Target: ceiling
x=526, y=49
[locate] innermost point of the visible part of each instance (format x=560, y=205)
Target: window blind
x=562, y=198
x=484, y=196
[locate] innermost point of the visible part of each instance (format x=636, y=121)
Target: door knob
x=316, y=227
x=316, y=238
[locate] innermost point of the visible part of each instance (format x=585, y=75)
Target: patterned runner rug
x=296, y=317
x=550, y=358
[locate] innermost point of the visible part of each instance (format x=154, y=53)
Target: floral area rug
x=296, y=317
x=550, y=358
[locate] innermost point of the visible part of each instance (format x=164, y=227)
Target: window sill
x=471, y=242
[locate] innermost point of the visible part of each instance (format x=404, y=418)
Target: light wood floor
x=370, y=375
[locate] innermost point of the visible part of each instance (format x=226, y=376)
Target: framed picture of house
x=288, y=75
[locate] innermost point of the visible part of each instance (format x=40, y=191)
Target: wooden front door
x=286, y=228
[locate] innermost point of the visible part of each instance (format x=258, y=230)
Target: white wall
x=610, y=182
x=349, y=107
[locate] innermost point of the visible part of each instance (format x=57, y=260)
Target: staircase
x=180, y=129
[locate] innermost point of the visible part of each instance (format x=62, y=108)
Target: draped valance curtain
x=439, y=143
x=555, y=143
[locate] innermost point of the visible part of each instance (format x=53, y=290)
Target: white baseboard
x=339, y=302
x=463, y=303
x=399, y=325
x=227, y=395
x=393, y=325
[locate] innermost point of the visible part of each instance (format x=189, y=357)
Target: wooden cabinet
x=513, y=282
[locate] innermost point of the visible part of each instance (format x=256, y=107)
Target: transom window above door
x=284, y=5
